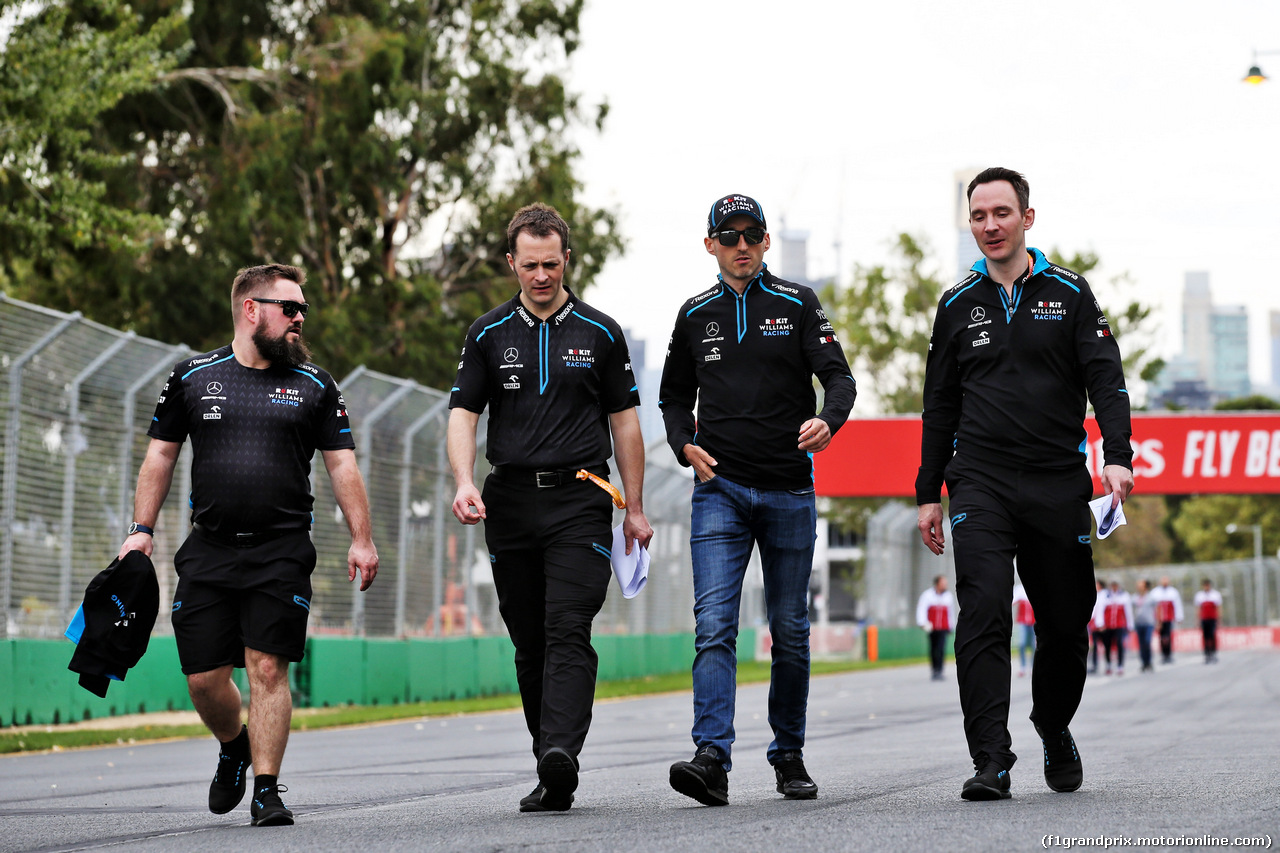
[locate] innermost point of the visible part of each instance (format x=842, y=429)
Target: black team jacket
x=113, y=625
x=748, y=362
x=1007, y=378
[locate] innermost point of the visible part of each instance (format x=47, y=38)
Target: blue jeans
x=727, y=520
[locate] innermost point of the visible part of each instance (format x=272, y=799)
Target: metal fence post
x=129, y=413
x=406, y=475
x=364, y=451
x=9, y=491
x=73, y=451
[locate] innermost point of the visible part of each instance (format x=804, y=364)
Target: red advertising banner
x=1173, y=454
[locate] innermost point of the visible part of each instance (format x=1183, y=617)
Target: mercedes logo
x=214, y=388
x=511, y=354
x=978, y=314
x=713, y=329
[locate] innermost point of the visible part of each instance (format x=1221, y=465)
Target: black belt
x=543, y=479
x=243, y=540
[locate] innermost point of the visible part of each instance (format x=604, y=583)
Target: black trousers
x=1041, y=518
x=549, y=548
x=937, y=649
x=1209, y=631
x=1166, y=641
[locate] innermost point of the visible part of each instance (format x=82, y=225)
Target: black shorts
x=229, y=598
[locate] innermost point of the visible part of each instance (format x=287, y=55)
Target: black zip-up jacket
x=113, y=626
x=1006, y=377
x=747, y=362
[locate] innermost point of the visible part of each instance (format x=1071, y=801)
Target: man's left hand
x=1118, y=480
x=362, y=557
x=635, y=528
x=815, y=435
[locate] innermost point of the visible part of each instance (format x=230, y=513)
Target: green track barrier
x=8, y=689
x=899, y=643
x=386, y=672
x=37, y=688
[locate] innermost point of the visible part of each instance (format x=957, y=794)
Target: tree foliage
x=1132, y=326
x=60, y=73
x=885, y=318
x=381, y=145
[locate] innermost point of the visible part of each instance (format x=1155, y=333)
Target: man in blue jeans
x=745, y=353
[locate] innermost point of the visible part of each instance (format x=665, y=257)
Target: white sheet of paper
x=631, y=570
x=1107, y=521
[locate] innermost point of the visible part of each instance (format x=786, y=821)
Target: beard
x=280, y=351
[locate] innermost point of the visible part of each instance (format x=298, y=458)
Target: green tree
x=884, y=319
x=381, y=145
x=1201, y=525
x=60, y=74
x=1133, y=325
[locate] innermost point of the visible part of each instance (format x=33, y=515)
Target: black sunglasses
x=290, y=307
x=729, y=237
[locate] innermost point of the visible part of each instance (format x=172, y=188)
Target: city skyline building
x=967, y=251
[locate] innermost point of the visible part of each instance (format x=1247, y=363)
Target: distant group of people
x=1149, y=612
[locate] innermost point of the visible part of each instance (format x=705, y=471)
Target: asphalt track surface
x=1192, y=750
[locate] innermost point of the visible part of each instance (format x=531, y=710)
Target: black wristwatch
x=135, y=527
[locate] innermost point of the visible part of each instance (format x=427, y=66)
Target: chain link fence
x=899, y=567
x=76, y=399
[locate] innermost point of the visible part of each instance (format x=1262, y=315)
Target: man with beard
x=256, y=411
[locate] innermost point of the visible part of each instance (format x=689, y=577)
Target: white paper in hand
x=631, y=570
x=1107, y=519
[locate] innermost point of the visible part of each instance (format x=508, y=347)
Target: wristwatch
x=135, y=527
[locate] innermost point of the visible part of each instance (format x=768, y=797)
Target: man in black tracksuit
x=1015, y=348
x=557, y=380
x=745, y=353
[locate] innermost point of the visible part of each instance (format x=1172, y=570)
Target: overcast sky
x=849, y=119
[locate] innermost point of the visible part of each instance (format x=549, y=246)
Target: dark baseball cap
x=729, y=207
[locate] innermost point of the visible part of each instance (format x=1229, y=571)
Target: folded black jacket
x=113, y=625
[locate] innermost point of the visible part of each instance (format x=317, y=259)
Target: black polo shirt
x=550, y=385
x=253, y=434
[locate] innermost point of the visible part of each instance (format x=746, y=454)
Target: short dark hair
x=538, y=220
x=251, y=280
x=998, y=173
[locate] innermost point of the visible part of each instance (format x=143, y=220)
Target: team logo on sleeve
x=828, y=339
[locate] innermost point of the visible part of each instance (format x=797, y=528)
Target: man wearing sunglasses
x=556, y=378
x=745, y=353
x=256, y=411
x=1016, y=347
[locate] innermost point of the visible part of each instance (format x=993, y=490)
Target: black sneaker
x=227, y=788
x=703, y=778
x=538, y=800
x=558, y=775
x=1063, y=771
x=794, y=782
x=267, y=808
x=988, y=783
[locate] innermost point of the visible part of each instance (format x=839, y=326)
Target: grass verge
x=54, y=738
